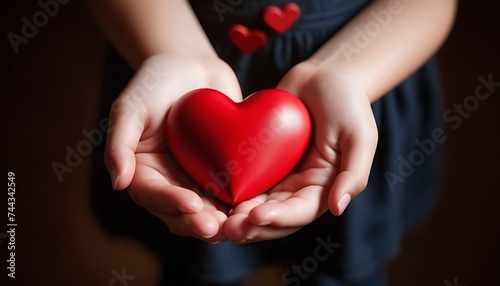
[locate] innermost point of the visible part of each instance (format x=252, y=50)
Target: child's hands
x=337, y=162
x=334, y=169
x=136, y=146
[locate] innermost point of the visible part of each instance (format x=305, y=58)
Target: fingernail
x=246, y=240
x=114, y=178
x=182, y=209
x=344, y=201
x=186, y=218
x=264, y=223
x=198, y=205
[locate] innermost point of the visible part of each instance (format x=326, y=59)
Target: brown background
x=50, y=93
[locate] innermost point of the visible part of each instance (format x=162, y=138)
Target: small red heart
x=280, y=20
x=247, y=41
x=236, y=151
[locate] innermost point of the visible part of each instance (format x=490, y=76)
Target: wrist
x=312, y=72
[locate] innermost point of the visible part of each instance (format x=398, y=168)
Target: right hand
x=137, y=155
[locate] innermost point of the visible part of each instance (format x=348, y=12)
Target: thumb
x=126, y=126
x=347, y=185
x=356, y=161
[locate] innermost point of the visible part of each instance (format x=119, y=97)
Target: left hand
x=334, y=169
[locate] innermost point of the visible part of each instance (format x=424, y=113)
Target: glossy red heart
x=247, y=41
x=281, y=19
x=236, y=151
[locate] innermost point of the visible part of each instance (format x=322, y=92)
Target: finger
x=213, y=230
x=240, y=230
x=213, y=204
x=356, y=161
x=150, y=190
x=246, y=206
x=303, y=207
x=206, y=225
x=227, y=84
x=125, y=128
x=347, y=185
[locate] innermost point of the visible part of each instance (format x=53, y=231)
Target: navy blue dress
x=351, y=248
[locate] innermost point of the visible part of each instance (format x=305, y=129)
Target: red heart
x=246, y=40
x=236, y=151
x=280, y=20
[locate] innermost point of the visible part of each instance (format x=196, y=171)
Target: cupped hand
x=137, y=155
x=334, y=169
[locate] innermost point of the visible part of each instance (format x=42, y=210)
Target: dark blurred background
x=50, y=92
